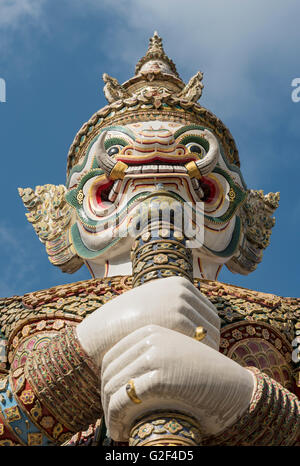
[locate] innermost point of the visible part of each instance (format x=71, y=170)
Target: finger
x=195, y=319
x=120, y=424
x=121, y=361
x=117, y=375
x=130, y=340
x=201, y=309
x=201, y=296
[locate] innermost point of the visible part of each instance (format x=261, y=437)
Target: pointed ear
x=52, y=218
x=257, y=221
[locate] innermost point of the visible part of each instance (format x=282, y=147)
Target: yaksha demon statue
x=152, y=350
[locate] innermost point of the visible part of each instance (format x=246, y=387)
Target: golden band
x=118, y=172
x=193, y=170
x=130, y=389
x=200, y=333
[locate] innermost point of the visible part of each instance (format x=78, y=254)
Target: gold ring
x=200, y=333
x=130, y=389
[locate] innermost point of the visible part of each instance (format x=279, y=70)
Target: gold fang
x=118, y=172
x=193, y=170
x=130, y=389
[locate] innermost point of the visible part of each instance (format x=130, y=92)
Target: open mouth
x=106, y=193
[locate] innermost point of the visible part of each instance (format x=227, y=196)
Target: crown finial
x=155, y=44
x=156, y=59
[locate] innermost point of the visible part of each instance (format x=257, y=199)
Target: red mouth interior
x=209, y=189
x=102, y=192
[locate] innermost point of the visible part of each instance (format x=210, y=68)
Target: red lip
x=157, y=158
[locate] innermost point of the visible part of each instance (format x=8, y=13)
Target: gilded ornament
x=200, y=333
x=26, y=330
x=173, y=426
x=145, y=430
x=35, y=439
x=58, y=324
x=80, y=197
x=250, y=330
x=57, y=430
x=12, y=414
x=231, y=195
x=131, y=392
x=27, y=397
x=145, y=237
x=36, y=411
x=160, y=259
x=7, y=443
x=47, y=422
x=193, y=170
x=164, y=233
x=178, y=235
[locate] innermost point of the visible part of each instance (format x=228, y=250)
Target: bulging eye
x=196, y=148
x=113, y=150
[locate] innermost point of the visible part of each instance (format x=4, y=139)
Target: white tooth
x=163, y=168
x=195, y=183
x=147, y=169
x=134, y=170
x=137, y=170
x=130, y=170
x=112, y=196
x=154, y=168
x=116, y=186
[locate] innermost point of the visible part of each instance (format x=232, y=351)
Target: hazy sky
x=52, y=56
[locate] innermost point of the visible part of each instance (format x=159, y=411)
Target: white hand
x=170, y=302
x=172, y=372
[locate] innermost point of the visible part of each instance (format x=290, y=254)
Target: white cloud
x=14, y=11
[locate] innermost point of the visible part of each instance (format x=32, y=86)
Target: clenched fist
x=173, y=303
x=172, y=372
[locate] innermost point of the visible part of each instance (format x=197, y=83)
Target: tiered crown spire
x=154, y=54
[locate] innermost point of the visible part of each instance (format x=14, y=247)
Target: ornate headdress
x=156, y=87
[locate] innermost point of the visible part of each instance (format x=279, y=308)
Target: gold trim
x=167, y=428
x=130, y=389
x=118, y=172
x=200, y=333
x=193, y=170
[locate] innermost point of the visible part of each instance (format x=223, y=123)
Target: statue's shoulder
x=69, y=302
x=258, y=329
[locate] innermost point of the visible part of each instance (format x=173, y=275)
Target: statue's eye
x=196, y=148
x=113, y=150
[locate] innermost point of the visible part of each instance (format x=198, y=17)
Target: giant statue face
x=123, y=164
x=152, y=139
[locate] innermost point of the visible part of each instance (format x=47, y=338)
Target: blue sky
x=52, y=56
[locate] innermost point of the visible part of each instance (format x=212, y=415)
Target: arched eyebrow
x=120, y=129
x=184, y=129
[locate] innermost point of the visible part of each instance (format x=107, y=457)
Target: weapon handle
x=160, y=251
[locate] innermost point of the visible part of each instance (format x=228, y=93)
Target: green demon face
x=123, y=164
